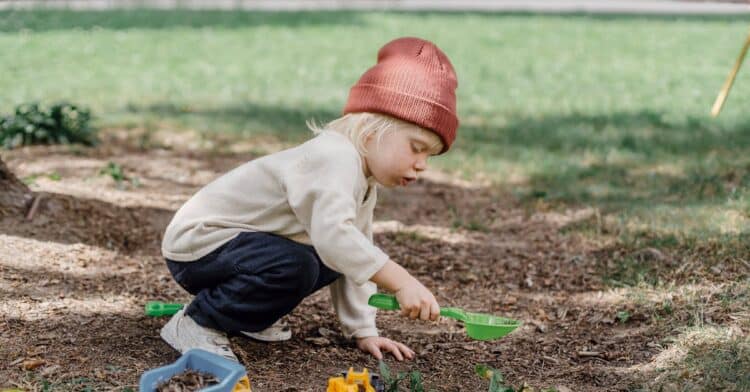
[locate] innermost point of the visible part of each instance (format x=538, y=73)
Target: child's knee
x=306, y=275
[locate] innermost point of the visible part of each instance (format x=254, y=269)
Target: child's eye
x=415, y=149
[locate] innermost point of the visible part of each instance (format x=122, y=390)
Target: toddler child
x=252, y=244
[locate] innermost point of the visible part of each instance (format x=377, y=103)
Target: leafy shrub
x=61, y=123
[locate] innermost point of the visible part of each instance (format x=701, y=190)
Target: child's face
x=400, y=155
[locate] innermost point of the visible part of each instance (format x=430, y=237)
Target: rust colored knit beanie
x=414, y=81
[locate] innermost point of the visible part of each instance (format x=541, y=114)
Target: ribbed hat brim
x=418, y=110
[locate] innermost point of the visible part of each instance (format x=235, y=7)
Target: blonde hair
x=359, y=126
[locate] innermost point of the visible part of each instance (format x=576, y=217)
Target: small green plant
x=61, y=123
x=392, y=381
x=623, y=316
x=117, y=173
x=114, y=170
x=475, y=225
x=629, y=272
x=31, y=180
x=497, y=382
x=667, y=306
x=415, y=382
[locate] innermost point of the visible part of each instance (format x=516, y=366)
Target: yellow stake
x=724, y=93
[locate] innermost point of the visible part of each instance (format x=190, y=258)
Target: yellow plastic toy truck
x=355, y=382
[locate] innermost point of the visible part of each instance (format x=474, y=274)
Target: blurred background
x=589, y=106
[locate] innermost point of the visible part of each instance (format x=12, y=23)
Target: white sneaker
x=183, y=333
x=278, y=332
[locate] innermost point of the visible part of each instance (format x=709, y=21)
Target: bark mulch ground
x=74, y=279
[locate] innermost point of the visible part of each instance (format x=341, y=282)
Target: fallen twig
x=34, y=206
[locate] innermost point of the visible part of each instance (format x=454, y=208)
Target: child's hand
x=374, y=345
x=417, y=301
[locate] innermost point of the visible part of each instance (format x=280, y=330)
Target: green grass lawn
x=606, y=111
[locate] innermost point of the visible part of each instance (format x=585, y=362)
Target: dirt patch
x=74, y=280
x=187, y=381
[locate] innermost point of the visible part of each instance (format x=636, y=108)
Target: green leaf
x=415, y=382
x=623, y=316
x=391, y=383
x=384, y=371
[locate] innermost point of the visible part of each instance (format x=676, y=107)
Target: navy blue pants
x=251, y=281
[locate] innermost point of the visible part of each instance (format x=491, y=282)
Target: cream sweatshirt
x=316, y=194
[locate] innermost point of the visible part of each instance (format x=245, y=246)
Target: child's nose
x=420, y=165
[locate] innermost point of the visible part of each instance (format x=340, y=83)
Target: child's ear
x=368, y=138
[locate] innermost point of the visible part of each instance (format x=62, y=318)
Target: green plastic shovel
x=158, y=308
x=478, y=326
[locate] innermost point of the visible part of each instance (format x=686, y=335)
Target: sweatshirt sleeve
x=321, y=188
x=350, y=300
x=350, y=303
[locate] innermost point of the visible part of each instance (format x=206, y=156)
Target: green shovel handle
x=384, y=301
x=389, y=302
x=158, y=308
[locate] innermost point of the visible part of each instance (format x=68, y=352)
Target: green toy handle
x=384, y=301
x=158, y=308
x=389, y=302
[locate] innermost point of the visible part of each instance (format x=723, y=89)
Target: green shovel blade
x=478, y=326
x=158, y=308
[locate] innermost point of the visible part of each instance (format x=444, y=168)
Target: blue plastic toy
x=232, y=376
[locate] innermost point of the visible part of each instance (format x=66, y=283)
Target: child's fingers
x=375, y=351
x=391, y=346
x=408, y=353
x=414, y=313
x=424, y=313
x=434, y=311
x=407, y=311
